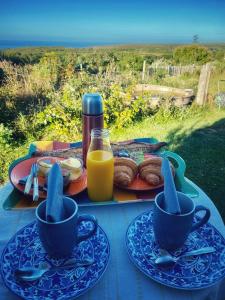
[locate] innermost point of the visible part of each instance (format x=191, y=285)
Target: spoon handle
x=204, y=250
x=74, y=263
x=33, y=274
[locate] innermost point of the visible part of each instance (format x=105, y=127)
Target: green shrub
x=5, y=135
x=2, y=76
x=193, y=54
x=7, y=151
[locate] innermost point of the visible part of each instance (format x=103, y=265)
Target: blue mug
x=60, y=238
x=170, y=230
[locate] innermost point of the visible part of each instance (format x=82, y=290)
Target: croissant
x=154, y=160
x=150, y=170
x=152, y=179
x=151, y=175
x=125, y=170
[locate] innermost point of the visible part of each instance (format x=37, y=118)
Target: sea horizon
x=10, y=44
x=4, y=44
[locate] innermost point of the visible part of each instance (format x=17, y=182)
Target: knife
x=41, y=188
x=35, y=188
x=29, y=181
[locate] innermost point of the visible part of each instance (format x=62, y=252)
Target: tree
x=195, y=39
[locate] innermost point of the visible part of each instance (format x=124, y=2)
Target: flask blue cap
x=92, y=104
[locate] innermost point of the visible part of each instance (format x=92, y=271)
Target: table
x=122, y=280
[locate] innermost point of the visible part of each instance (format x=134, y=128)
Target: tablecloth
x=122, y=280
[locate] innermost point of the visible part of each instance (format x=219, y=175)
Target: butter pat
x=72, y=164
x=43, y=167
x=45, y=164
x=75, y=175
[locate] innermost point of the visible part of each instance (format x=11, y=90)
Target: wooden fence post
x=143, y=70
x=203, y=84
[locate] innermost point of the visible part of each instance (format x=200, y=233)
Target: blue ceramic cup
x=170, y=230
x=59, y=238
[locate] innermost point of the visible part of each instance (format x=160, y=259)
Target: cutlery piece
x=23, y=180
x=35, y=273
x=170, y=194
x=35, y=188
x=167, y=260
x=29, y=180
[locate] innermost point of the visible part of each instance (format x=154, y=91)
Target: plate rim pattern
x=134, y=261
x=64, y=297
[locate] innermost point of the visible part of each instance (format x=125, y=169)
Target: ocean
x=24, y=44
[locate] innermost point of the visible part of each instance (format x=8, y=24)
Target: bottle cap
x=92, y=104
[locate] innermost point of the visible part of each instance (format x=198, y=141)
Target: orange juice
x=100, y=170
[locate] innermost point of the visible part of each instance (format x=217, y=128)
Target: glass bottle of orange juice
x=100, y=166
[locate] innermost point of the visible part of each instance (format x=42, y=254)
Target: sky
x=112, y=21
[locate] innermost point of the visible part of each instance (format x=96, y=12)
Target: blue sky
x=112, y=21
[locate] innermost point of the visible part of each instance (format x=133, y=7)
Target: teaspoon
x=35, y=273
x=167, y=260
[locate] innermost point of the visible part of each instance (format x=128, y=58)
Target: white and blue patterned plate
x=25, y=250
x=191, y=273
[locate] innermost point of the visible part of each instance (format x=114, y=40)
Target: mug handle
x=182, y=184
x=90, y=218
x=203, y=220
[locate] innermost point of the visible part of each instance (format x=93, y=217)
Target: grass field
x=198, y=137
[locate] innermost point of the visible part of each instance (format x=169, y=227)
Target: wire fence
x=172, y=70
